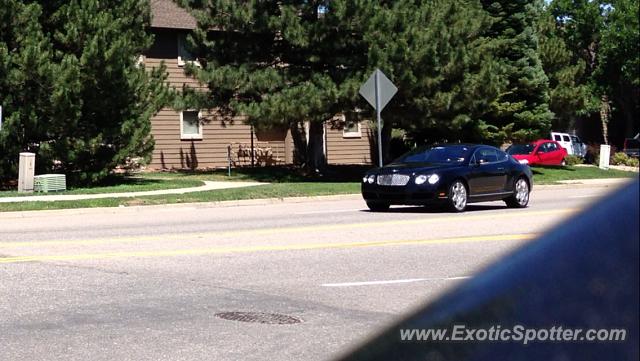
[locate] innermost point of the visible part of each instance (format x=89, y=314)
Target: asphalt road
x=148, y=283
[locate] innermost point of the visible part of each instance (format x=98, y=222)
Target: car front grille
x=393, y=180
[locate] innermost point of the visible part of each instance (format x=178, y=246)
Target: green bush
x=573, y=160
x=619, y=159
x=632, y=162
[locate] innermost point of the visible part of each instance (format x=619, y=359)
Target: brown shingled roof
x=167, y=14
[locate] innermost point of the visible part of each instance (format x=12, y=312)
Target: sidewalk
x=208, y=186
x=584, y=183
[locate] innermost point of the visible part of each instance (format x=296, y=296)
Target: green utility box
x=50, y=183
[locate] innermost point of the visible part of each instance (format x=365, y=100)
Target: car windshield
x=439, y=155
x=575, y=139
x=632, y=143
x=520, y=149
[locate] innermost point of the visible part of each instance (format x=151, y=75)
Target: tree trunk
x=605, y=112
x=315, y=150
x=299, y=137
x=309, y=154
x=386, y=142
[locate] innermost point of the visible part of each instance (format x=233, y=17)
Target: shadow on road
x=435, y=209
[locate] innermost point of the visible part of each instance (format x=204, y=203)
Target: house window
x=190, y=125
x=140, y=61
x=351, y=129
x=184, y=56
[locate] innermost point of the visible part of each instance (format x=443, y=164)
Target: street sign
x=378, y=91
x=386, y=92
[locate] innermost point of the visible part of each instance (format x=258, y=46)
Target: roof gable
x=167, y=14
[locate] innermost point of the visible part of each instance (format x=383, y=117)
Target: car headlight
x=524, y=161
x=432, y=179
x=364, y=179
x=371, y=179
x=421, y=179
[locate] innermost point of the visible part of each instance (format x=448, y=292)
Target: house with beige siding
x=196, y=139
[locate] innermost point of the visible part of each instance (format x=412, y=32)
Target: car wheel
x=378, y=206
x=457, y=196
x=520, y=197
x=563, y=163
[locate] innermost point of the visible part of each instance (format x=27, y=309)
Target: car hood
x=408, y=168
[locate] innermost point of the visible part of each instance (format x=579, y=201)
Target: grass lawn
x=335, y=174
x=122, y=184
x=284, y=182
x=551, y=175
x=275, y=190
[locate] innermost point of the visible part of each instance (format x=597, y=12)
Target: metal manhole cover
x=259, y=317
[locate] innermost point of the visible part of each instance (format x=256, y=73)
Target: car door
x=503, y=171
x=543, y=154
x=579, y=146
x=566, y=143
x=555, y=152
x=488, y=175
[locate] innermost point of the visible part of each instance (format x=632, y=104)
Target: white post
x=605, y=153
x=26, y=172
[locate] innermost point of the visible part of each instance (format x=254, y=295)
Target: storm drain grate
x=259, y=317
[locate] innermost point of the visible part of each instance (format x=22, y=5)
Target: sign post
x=378, y=91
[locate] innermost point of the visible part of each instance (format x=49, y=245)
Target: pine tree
x=522, y=110
x=279, y=64
x=444, y=69
x=569, y=96
x=282, y=63
x=78, y=99
x=26, y=80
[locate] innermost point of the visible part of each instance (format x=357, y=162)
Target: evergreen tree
x=443, y=66
x=26, y=80
x=569, y=97
x=71, y=89
x=278, y=63
x=522, y=110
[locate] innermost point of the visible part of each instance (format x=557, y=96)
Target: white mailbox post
x=605, y=153
x=26, y=172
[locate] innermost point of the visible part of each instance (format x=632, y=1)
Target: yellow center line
x=301, y=229
x=250, y=249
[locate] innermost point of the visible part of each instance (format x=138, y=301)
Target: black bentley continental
x=453, y=175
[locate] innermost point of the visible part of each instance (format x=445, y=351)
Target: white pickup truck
x=571, y=143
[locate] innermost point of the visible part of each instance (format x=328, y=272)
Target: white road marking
x=408, y=280
x=586, y=196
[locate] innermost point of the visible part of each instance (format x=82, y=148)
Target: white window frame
x=182, y=62
x=348, y=134
x=140, y=60
x=190, y=136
